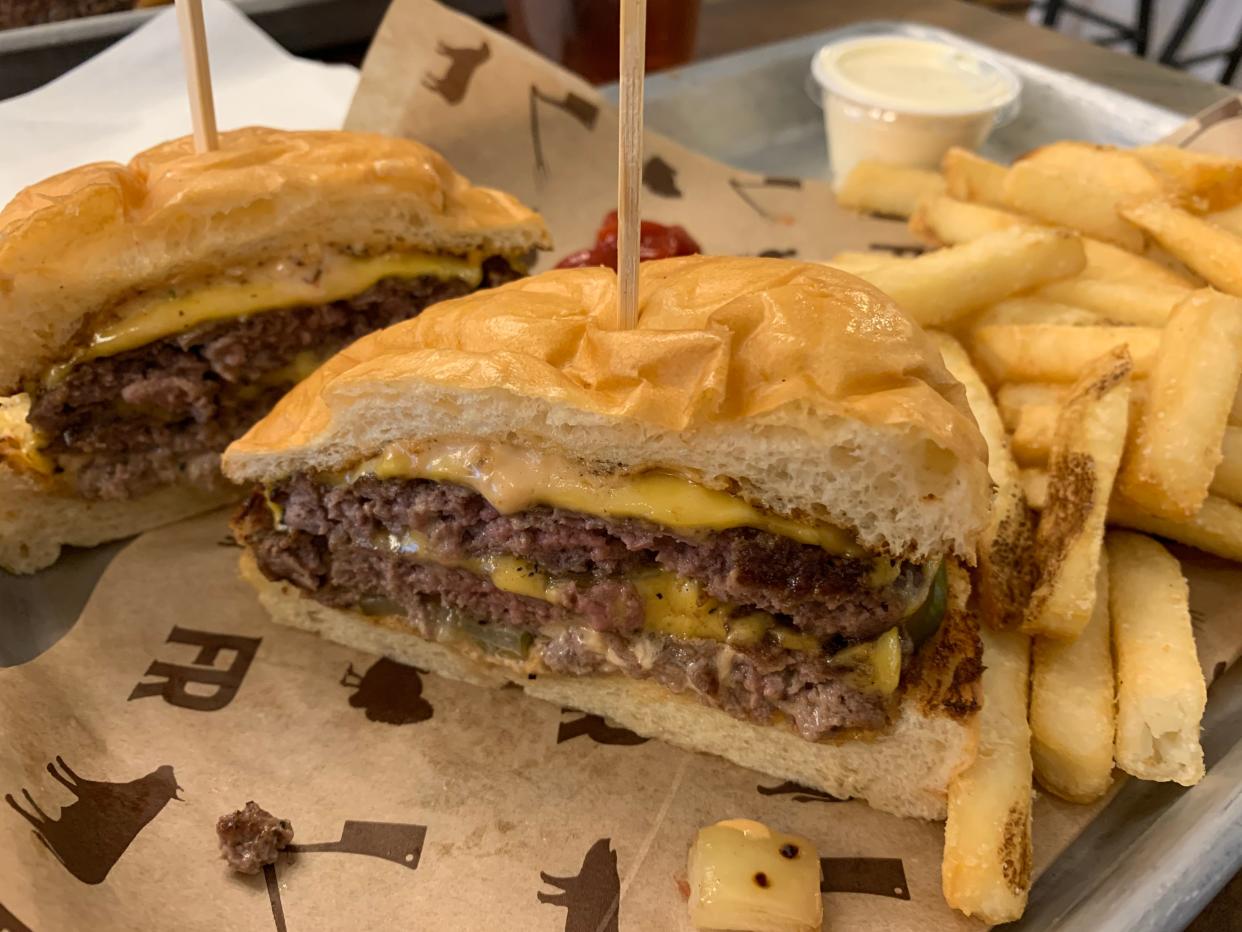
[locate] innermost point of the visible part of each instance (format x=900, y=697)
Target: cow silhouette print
x=10, y=923
x=592, y=899
x=396, y=842
x=390, y=692
x=463, y=63
x=581, y=109
x=800, y=793
x=92, y=833
x=595, y=728
x=659, y=177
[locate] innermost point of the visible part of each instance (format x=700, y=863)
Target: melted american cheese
x=155, y=315
x=514, y=479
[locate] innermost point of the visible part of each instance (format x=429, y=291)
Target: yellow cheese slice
x=513, y=479
x=154, y=316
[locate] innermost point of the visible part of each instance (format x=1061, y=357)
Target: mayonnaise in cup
x=906, y=101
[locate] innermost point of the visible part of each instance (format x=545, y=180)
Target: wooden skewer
x=630, y=156
x=198, y=74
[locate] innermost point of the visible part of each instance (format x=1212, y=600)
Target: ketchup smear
x=656, y=241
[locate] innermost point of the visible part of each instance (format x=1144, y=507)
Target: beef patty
x=824, y=594
x=331, y=545
x=119, y=426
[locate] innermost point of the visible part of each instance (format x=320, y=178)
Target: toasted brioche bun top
x=804, y=385
x=80, y=241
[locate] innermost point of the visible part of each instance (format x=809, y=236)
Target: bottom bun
x=35, y=523
x=904, y=770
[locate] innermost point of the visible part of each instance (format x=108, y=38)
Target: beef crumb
x=251, y=838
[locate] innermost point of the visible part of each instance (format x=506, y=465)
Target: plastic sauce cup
x=906, y=101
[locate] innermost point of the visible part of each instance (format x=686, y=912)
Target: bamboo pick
x=630, y=156
x=197, y=74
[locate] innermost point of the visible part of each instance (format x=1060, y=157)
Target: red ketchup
x=656, y=241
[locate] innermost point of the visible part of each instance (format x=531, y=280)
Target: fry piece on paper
x=1090, y=435
x=1175, y=449
x=1035, y=310
x=1006, y=548
x=1012, y=397
x=1160, y=689
x=893, y=190
x=986, y=872
x=1072, y=711
x=940, y=287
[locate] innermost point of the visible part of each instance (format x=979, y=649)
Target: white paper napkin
x=132, y=95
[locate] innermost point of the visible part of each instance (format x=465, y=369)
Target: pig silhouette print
x=390, y=692
x=592, y=898
x=93, y=832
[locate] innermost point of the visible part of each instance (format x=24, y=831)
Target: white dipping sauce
x=905, y=101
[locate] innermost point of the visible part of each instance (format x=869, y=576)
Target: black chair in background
x=1171, y=54
x=1136, y=34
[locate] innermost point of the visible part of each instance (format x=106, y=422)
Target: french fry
x=1034, y=434
x=1111, y=263
x=1081, y=187
x=853, y=261
x=1227, y=481
x=1006, y=547
x=1034, y=311
x=940, y=287
x=1215, y=529
x=1012, y=397
x=1086, y=451
x=1214, y=253
x=1056, y=353
x=1229, y=219
x=971, y=177
x=892, y=190
x=1072, y=723
x=1213, y=180
x=944, y=220
x=1035, y=488
x=986, y=870
x=1145, y=305
x=1176, y=447
x=1160, y=688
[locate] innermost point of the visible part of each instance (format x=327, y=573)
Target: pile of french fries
x=1090, y=300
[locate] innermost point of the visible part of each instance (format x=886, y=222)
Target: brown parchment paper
x=418, y=802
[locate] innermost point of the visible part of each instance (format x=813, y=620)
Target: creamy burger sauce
x=513, y=479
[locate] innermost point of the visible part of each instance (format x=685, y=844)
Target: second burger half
x=741, y=527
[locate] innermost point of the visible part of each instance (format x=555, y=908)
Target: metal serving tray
x=759, y=110
x=1157, y=853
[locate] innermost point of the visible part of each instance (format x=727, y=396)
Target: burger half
x=151, y=312
x=741, y=527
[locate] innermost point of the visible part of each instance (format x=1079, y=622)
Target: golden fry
x=1086, y=451
x=892, y=190
x=1055, y=353
x=1176, y=447
x=971, y=177
x=1213, y=252
x=1160, y=688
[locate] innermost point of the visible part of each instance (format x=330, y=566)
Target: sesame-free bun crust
x=905, y=769
x=805, y=386
x=77, y=243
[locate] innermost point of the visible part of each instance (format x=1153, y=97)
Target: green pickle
x=925, y=620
